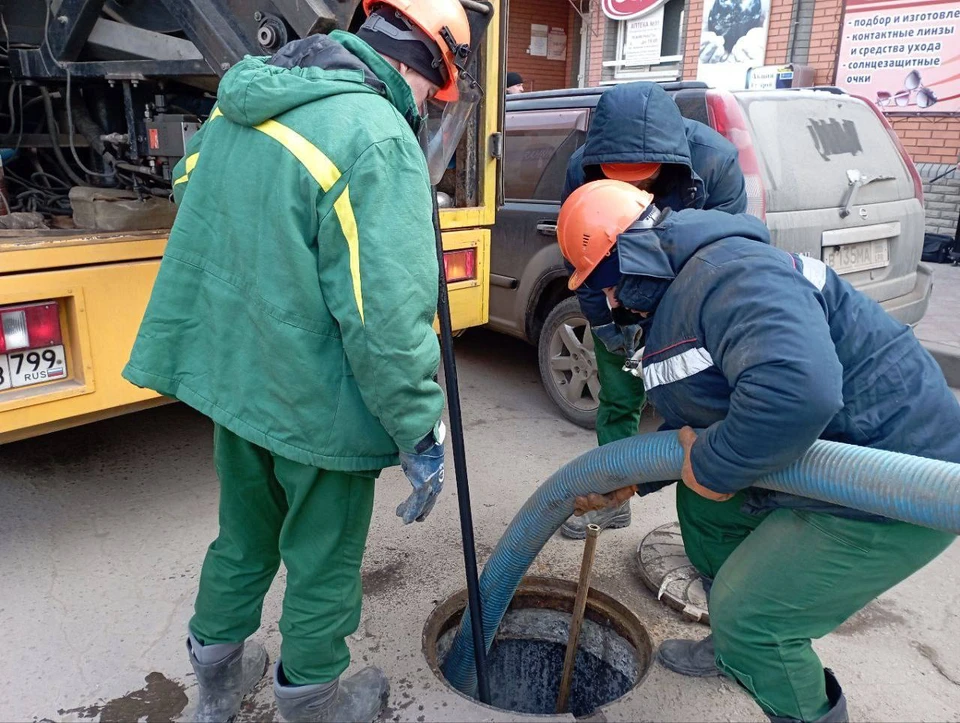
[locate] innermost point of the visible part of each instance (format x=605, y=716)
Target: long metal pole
x=460, y=468
x=576, y=621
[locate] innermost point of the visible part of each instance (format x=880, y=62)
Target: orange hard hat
x=592, y=218
x=445, y=22
x=629, y=171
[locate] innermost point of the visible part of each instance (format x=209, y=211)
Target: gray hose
x=55, y=138
x=912, y=489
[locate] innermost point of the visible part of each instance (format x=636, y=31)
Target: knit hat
x=391, y=34
x=514, y=79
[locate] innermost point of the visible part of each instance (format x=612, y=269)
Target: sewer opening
x=525, y=663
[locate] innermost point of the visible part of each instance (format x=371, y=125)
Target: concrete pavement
x=103, y=530
x=940, y=328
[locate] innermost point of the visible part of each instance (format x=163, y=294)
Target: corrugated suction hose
x=912, y=489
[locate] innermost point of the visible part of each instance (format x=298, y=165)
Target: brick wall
x=691, y=51
x=824, y=36
x=929, y=139
x=778, y=34
x=942, y=198
x=538, y=72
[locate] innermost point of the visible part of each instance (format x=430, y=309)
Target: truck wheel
x=568, y=365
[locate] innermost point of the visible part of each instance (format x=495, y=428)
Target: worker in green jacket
x=294, y=307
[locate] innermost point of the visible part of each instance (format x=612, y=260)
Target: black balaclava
x=391, y=34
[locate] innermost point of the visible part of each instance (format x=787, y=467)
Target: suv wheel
x=568, y=365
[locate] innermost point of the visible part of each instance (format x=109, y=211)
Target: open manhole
x=665, y=568
x=526, y=660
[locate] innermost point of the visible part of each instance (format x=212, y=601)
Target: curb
x=948, y=357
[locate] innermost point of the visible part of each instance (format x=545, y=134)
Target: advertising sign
x=557, y=44
x=904, y=58
x=538, y=40
x=644, y=37
x=763, y=78
x=733, y=39
x=629, y=9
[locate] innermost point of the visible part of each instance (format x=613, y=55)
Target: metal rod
x=460, y=467
x=576, y=622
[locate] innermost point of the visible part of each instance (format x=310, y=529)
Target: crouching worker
x=637, y=135
x=766, y=352
x=294, y=307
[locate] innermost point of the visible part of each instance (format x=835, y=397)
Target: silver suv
x=823, y=168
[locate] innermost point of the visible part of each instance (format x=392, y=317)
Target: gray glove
x=425, y=472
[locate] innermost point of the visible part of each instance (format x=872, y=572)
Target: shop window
x=637, y=56
x=538, y=146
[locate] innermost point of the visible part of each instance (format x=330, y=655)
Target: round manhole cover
x=665, y=569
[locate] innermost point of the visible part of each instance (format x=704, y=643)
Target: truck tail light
x=30, y=327
x=460, y=265
x=726, y=118
x=911, y=168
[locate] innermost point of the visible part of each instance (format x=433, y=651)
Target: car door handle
x=547, y=228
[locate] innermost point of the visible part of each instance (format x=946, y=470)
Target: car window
x=538, y=145
x=829, y=136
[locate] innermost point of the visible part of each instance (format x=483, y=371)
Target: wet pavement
x=103, y=530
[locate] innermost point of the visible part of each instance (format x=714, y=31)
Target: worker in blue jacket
x=765, y=352
x=637, y=135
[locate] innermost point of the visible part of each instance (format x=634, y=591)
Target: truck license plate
x=848, y=258
x=27, y=367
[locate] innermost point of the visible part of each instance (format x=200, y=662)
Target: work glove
x=425, y=472
x=621, y=340
x=634, y=364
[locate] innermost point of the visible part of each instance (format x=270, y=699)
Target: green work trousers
x=621, y=397
x=787, y=576
x=316, y=521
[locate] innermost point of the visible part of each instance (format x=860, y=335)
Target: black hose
x=97, y=144
x=55, y=138
x=460, y=467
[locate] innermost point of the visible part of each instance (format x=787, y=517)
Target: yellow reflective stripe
x=191, y=161
x=326, y=175
x=189, y=165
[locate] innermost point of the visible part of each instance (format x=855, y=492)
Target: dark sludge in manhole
x=525, y=662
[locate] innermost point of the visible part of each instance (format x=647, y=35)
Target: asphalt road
x=103, y=530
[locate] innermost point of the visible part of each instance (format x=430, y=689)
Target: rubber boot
x=838, y=701
x=357, y=699
x=225, y=673
x=697, y=659
x=613, y=518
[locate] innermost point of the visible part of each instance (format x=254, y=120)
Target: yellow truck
x=103, y=97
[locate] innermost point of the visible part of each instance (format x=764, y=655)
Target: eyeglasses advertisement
x=905, y=58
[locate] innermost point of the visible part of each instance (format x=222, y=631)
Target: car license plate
x=27, y=367
x=848, y=258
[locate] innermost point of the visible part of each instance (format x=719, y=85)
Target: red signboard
x=629, y=9
x=904, y=56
